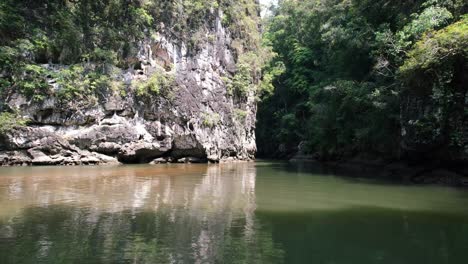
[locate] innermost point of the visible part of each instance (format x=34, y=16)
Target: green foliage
x=100, y=31
x=90, y=37
x=195, y=12
x=80, y=82
x=252, y=55
x=435, y=67
x=72, y=82
x=240, y=17
x=159, y=83
x=340, y=115
x=101, y=56
x=9, y=121
x=247, y=77
x=395, y=45
x=333, y=80
x=20, y=73
x=271, y=73
x=33, y=82
x=240, y=114
x=430, y=18
x=437, y=48
x=242, y=82
x=210, y=119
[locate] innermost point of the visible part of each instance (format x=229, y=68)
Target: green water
x=229, y=213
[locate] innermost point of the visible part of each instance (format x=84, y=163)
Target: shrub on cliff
x=109, y=33
x=9, y=121
x=159, y=83
x=436, y=73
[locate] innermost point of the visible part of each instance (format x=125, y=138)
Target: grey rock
x=141, y=152
x=135, y=129
x=191, y=160
x=428, y=132
x=159, y=161
x=38, y=146
x=17, y=158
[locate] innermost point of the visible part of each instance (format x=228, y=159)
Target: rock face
x=434, y=120
x=33, y=146
x=197, y=118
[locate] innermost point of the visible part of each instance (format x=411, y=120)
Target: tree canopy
x=342, y=69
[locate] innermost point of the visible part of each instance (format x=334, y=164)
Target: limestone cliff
x=173, y=102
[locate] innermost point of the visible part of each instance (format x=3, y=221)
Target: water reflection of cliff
x=141, y=214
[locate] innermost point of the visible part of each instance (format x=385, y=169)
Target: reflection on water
x=229, y=213
x=172, y=214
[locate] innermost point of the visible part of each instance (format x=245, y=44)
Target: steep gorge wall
x=172, y=102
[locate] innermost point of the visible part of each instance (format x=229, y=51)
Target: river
x=229, y=213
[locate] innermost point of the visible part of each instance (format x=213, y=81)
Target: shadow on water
x=369, y=235
x=316, y=168
x=319, y=217
x=369, y=173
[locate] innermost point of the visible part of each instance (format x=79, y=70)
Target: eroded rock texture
x=197, y=118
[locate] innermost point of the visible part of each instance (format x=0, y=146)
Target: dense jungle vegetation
x=340, y=77
x=356, y=77
x=88, y=39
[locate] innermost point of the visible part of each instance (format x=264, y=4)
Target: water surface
x=228, y=213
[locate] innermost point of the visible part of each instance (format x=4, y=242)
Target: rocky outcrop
x=195, y=117
x=36, y=146
x=432, y=131
x=434, y=113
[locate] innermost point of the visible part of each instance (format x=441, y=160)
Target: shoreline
x=398, y=171
x=419, y=174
